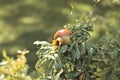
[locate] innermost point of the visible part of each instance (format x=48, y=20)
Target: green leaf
x=72, y=75
x=114, y=54
x=63, y=49
x=113, y=77
x=49, y=67
x=92, y=66
x=104, y=72
x=58, y=64
x=71, y=46
x=90, y=53
x=43, y=68
x=73, y=54
x=41, y=43
x=83, y=47
x=97, y=58
x=39, y=67
x=99, y=79
x=117, y=69
x=77, y=52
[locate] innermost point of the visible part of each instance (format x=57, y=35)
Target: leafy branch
x=80, y=59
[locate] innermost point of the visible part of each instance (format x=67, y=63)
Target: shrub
x=14, y=69
x=81, y=59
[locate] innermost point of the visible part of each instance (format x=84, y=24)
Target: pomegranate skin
x=62, y=32
x=62, y=37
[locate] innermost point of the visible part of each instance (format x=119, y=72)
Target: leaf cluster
x=14, y=69
x=80, y=58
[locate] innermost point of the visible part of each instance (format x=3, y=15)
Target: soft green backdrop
x=24, y=21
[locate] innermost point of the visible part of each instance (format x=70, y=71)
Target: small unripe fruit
x=62, y=37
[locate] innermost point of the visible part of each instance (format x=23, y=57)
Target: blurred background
x=24, y=21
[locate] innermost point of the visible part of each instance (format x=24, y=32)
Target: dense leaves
x=14, y=69
x=81, y=58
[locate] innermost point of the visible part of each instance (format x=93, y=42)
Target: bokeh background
x=24, y=21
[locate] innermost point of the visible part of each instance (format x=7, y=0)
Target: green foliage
x=35, y=18
x=80, y=58
x=32, y=19
x=14, y=69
